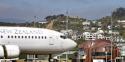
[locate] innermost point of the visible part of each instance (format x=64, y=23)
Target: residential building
x=97, y=35
x=43, y=22
x=86, y=25
x=121, y=22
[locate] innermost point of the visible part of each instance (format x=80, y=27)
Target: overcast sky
x=27, y=9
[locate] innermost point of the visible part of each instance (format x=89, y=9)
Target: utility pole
x=111, y=38
x=67, y=33
x=67, y=20
x=34, y=22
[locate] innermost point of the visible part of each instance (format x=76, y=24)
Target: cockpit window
x=62, y=36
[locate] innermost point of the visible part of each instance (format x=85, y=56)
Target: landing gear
x=50, y=58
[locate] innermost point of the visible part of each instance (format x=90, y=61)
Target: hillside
x=75, y=22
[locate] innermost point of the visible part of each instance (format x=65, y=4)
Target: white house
x=97, y=35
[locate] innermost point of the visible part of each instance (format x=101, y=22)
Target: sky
x=27, y=9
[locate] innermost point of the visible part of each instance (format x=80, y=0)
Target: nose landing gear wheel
x=50, y=58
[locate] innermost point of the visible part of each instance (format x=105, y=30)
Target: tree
x=49, y=18
x=119, y=14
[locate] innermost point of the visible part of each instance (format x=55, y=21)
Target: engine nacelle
x=9, y=51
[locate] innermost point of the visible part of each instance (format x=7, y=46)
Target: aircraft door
x=51, y=41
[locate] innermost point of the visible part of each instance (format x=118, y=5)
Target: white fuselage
x=35, y=40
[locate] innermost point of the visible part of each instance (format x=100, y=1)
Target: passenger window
x=35, y=37
x=32, y=37
x=18, y=36
x=29, y=37
x=1, y=36
x=25, y=36
x=42, y=37
x=11, y=36
x=22, y=36
x=15, y=36
x=39, y=37
x=8, y=36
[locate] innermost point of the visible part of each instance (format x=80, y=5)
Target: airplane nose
x=75, y=44
x=72, y=43
x=69, y=44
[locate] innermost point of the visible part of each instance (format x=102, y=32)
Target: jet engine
x=9, y=51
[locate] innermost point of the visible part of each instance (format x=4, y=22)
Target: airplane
x=28, y=40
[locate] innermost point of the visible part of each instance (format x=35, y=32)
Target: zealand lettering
x=16, y=31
